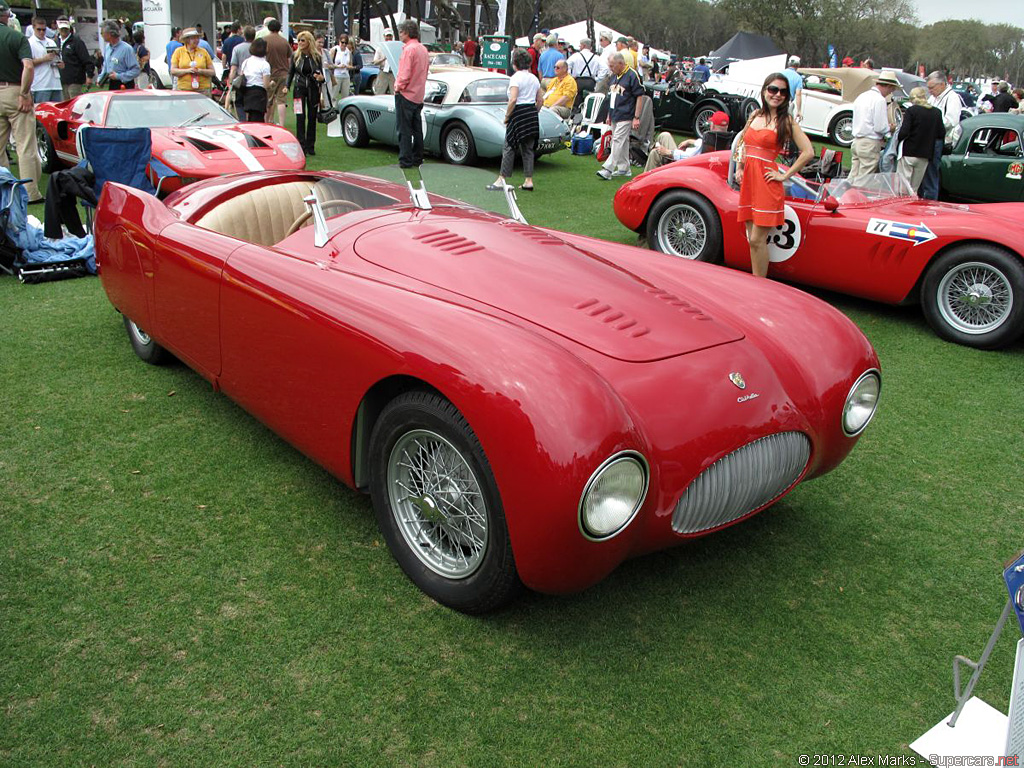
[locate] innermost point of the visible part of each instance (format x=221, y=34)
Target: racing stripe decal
x=232, y=141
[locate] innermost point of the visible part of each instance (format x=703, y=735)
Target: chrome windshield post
x=320, y=237
x=513, y=207
x=417, y=189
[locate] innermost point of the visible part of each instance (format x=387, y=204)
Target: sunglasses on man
x=774, y=90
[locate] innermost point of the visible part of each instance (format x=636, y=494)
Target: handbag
x=239, y=82
x=329, y=113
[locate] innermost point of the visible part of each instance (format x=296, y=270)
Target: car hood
x=577, y=295
x=245, y=146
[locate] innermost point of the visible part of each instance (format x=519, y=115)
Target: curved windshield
x=873, y=188
x=447, y=60
x=491, y=90
x=163, y=112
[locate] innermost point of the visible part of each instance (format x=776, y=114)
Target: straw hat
x=887, y=78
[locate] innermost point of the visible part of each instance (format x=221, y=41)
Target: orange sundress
x=761, y=201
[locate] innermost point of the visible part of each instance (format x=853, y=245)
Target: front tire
x=840, y=132
x=974, y=295
x=438, y=506
x=353, y=128
x=685, y=224
x=143, y=345
x=748, y=107
x=45, y=150
x=457, y=145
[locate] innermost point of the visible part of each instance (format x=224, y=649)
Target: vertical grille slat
x=742, y=481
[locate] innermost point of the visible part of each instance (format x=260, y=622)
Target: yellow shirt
x=182, y=59
x=559, y=88
x=629, y=57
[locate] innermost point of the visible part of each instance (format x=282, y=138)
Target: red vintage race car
x=524, y=406
x=193, y=135
x=876, y=239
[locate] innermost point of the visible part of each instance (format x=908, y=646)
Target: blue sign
x=1014, y=577
x=833, y=59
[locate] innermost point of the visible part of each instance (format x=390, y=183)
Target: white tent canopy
x=573, y=33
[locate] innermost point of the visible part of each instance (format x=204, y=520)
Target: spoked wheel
x=841, y=131
x=974, y=295
x=457, y=145
x=702, y=120
x=438, y=506
x=353, y=128
x=143, y=344
x=682, y=223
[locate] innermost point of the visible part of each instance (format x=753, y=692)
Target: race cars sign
x=898, y=230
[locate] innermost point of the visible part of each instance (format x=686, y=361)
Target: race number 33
x=784, y=240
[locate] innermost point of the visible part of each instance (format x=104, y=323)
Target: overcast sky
x=988, y=11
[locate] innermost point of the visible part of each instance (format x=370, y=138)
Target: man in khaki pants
x=16, y=114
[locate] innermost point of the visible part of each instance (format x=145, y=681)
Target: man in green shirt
x=16, y=114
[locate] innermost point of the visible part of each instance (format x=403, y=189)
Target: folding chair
x=123, y=155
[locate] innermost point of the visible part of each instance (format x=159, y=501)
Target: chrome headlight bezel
x=622, y=456
x=874, y=374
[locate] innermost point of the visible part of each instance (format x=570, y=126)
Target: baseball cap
x=794, y=59
x=63, y=23
x=719, y=118
x=388, y=33
x=4, y=7
x=622, y=39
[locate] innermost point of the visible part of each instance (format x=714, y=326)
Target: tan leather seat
x=261, y=216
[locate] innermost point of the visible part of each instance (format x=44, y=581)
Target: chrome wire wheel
x=456, y=144
x=42, y=146
x=351, y=127
x=437, y=503
x=974, y=298
x=682, y=231
x=702, y=122
x=844, y=131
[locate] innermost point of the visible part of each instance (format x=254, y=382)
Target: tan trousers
x=23, y=127
x=912, y=169
x=384, y=83
x=654, y=158
x=72, y=90
x=865, y=154
x=618, y=160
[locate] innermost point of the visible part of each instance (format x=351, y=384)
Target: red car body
x=888, y=248
x=559, y=350
x=212, y=147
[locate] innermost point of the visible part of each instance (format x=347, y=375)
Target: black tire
x=353, y=128
x=702, y=116
x=840, y=131
x=143, y=345
x=974, y=295
x=369, y=84
x=462, y=149
x=44, y=148
x=684, y=224
x=427, y=425
x=748, y=107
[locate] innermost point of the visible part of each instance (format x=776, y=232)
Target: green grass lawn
x=180, y=587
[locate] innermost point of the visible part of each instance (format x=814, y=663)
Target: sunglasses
x=774, y=90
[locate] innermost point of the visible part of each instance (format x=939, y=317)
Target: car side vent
x=372, y=115
x=682, y=304
x=619, y=321
x=446, y=240
x=202, y=146
x=254, y=142
x=541, y=237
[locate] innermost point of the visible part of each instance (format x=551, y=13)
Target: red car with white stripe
x=193, y=135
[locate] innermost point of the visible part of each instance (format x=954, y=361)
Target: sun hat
x=189, y=32
x=887, y=78
x=719, y=118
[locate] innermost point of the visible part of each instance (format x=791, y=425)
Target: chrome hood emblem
x=737, y=378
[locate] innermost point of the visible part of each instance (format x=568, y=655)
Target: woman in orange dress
x=762, y=194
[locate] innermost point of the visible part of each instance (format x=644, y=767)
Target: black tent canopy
x=743, y=45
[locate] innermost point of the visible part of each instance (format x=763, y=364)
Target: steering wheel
x=304, y=216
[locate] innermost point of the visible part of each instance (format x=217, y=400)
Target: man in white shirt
x=947, y=101
x=585, y=63
x=384, y=82
x=45, y=56
x=870, y=126
x=607, y=49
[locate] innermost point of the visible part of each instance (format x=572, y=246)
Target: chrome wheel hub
x=351, y=128
x=682, y=232
x=437, y=503
x=138, y=333
x=457, y=144
x=975, y=298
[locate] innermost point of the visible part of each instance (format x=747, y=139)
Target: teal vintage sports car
x=463, y=115
x=987, y=161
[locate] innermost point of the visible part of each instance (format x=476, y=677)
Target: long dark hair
x=783, y=122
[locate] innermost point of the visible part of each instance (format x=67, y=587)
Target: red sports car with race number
x=524, y=406
x=194, y=136
x=875, y=239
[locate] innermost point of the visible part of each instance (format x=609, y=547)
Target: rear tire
x=684, y=224
x=748, y=107
x=457, y=145
x=353, y=128
x=974, y=295
x=437, y=504
x=702, y=116
x=143, y=345
x=44, y=148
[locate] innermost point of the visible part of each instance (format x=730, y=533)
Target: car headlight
x=861, y=403
x=181, y=158
x=613, y=495
x=291, y=150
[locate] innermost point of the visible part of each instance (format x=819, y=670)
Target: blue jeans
x=55, y=94
x=930, y=186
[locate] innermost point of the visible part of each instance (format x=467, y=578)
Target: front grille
x=742, y=481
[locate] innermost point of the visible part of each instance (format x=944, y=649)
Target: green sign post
x=496, y=52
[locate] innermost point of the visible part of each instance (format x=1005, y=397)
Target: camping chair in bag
x=123, y=155
x=10, y=251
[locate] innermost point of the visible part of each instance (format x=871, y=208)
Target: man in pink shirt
x=409, y=87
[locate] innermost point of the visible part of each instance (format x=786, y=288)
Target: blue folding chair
x=121, y=155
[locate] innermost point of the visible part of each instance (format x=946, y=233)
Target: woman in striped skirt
x=522, y=122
